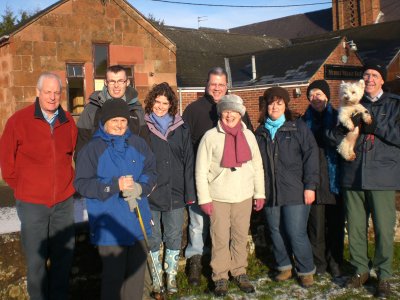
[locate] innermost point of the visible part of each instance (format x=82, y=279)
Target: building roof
x=311, y=23
x=380, y=41
x=200, y=50
x=290, y=65
x=289, y=27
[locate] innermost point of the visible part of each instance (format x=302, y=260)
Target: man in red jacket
x=36, y=151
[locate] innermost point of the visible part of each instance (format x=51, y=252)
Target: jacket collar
x=38, y=114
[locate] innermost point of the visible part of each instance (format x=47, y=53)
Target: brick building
x=77, y=39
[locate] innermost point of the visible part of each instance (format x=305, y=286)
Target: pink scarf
x=236, y=148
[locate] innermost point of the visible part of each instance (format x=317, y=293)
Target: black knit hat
x=114, y=108
x=277, y=91
x=321, y=85
x=377, y=65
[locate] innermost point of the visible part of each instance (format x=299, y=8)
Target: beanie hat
x=231, y=102
x=321, y=85
x=377, y=65
x=114, y=108
x=279, y=92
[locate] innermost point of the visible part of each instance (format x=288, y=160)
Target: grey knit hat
x=231, y=102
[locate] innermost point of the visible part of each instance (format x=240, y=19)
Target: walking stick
x=157, y=296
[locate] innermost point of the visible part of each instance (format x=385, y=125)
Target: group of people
x=140, y=169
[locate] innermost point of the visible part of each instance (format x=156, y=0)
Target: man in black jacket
x=116, y=85
x=201, y=116
x=370, y=181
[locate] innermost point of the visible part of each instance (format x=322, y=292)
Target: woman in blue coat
x=114, y=172
x=172, y=146
x=291, y=166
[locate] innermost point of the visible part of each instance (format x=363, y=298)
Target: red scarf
x=236, y=148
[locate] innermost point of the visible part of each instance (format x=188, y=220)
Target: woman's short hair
x=271, y=95
x=162, y=89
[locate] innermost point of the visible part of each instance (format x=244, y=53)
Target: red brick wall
x=66, y=35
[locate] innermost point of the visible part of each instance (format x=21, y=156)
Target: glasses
x=368, y=75
x=219, y=85
x=120, y=82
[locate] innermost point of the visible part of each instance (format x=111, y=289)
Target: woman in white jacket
x=229, y=181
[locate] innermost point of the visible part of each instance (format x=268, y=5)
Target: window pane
x=74, y=70
x=100, y=60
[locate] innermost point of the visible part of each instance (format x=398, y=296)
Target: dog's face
x=351, y=92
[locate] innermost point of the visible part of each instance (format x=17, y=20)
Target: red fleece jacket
x=35, y=162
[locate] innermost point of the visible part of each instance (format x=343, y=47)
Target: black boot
x=194, y=275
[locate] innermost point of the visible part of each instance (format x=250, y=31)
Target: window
x=75, y=88
x=129, y=74
x=100, y=56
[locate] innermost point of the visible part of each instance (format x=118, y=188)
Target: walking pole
x=157, y=296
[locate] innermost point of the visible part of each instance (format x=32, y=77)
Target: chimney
x=354, y=13
x=253, y=67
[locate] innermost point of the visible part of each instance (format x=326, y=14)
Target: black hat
x=377, y=65
x=321, y=85
x=277, y=91
x=114, y=108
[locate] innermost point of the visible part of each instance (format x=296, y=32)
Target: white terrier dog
x=350, y=95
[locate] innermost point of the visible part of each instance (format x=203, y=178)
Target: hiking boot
x=221, y=287
x=284, y=275
x=242, y=281
x=194, y=275
x=306, y=281
x=357, y=280
x=383, y=289
x=334, y=269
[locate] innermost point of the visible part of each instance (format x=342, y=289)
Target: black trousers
x=326, y=234
x=48, y=240
x=123, y=271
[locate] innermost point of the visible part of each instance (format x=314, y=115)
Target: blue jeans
x=172, y=222
x=199, y=229
x=288, y=230
x=47, y=233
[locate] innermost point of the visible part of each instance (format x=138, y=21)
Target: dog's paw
x=367, y=118
x=351, y=157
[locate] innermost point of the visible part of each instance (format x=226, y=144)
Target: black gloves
x=369, y=128
x=356, y=119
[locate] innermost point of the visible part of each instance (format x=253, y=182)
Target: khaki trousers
x=229, y=229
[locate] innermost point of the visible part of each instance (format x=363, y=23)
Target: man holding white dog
x=370, y=181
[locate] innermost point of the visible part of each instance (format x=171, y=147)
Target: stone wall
x=66, y=34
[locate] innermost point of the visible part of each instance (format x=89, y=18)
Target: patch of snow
x=9, y=221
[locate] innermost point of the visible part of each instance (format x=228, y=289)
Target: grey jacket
x=88, y=121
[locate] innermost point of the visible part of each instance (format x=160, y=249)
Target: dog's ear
x=362, y=83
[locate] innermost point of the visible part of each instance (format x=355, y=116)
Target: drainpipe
x=228, y=71
x=253, y=67
x=180, y=100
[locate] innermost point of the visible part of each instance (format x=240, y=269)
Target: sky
x=187, y=15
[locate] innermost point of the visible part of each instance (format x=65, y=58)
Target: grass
x=260, y=274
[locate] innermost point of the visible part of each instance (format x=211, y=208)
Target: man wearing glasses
x=370, y=181
x=116, y=86
x=201, y=116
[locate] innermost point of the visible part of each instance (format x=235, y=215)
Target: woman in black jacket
x=326, y=221
x=291, y=166
x=172, y=146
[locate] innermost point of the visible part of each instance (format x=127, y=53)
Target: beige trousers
x=229, y=229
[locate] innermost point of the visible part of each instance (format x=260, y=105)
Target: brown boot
x=357, y=280
x=306, y=281
x=221, y=287
x=243, y=282
x=284, y=275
